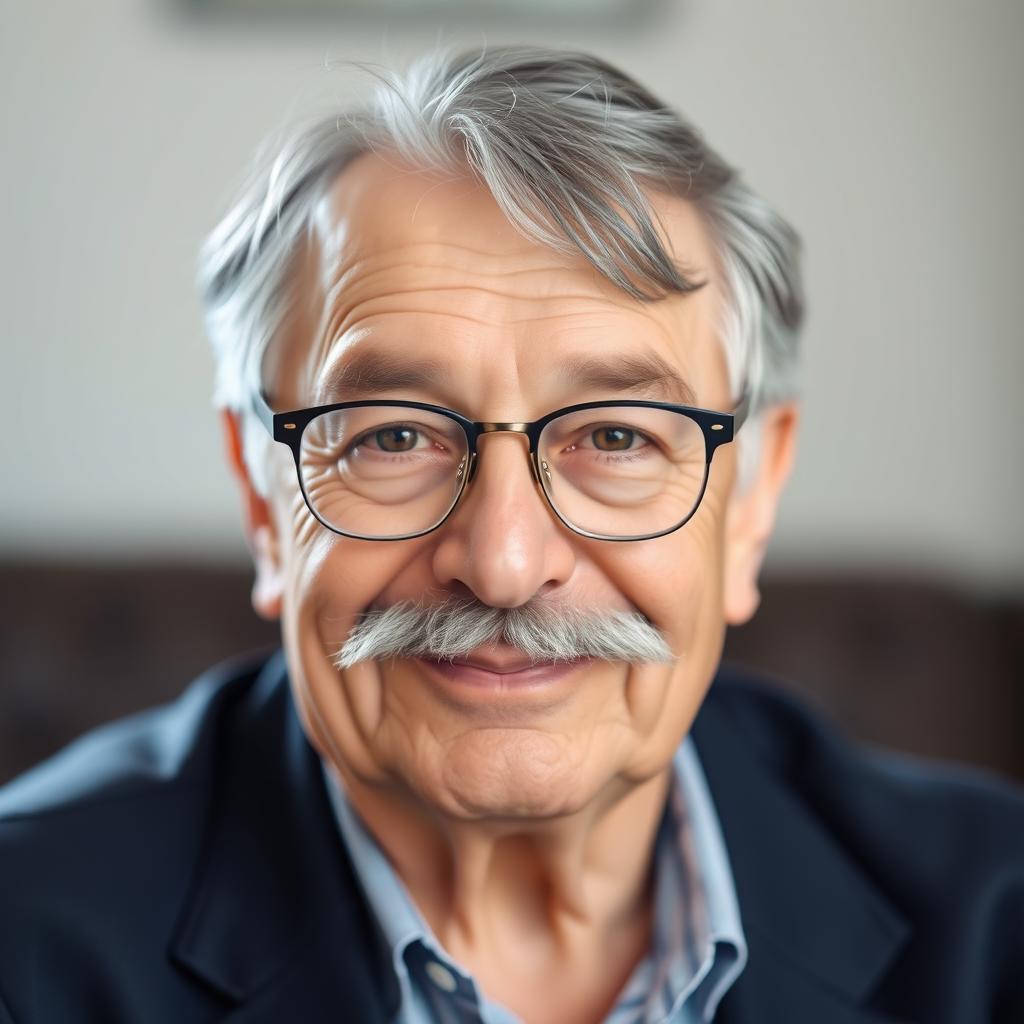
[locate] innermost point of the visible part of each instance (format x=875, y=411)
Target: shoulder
x=878, y=869
x=97, y=843
x=931, y=820
x=147, y=755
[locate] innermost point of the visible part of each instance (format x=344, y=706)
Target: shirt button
x=441, y=976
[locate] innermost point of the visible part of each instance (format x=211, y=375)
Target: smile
x=478, y=678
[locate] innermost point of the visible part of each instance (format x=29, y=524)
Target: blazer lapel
x=274, y=919
x=820, y=935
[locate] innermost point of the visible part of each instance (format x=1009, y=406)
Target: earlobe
x=744, y=553
x=741, y=595
x=260, y=532
x=268, y=587
x=751, y=514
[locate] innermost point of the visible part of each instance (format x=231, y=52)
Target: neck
x=507, y=891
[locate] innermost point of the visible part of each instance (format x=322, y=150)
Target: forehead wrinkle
x=388, y=330
x=669, y=331
x=401, y=277
x=351, y=260
x=354, y=255
x=376, y=312
x=380, y=255
x=477, y=302
x=430, y=249
x=370, y=271
x=584, y=324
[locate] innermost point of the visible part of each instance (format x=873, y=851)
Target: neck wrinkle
x=550, y=892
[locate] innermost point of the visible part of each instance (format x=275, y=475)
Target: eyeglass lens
x=393, y=471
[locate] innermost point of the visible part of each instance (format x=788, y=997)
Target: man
x=507, y=368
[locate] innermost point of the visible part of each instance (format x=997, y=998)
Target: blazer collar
x=817, y=928
x=274, y=903
x=273, y=907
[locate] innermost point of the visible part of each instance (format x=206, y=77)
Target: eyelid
x=633, y=430
x=372, y=431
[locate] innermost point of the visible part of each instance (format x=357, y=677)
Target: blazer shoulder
x=97, y=849
x=138, y=755
x=959, y=807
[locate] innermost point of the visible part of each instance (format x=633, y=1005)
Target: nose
x=503, y=542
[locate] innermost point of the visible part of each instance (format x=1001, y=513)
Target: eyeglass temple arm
x=263, y=411
x=739, y=414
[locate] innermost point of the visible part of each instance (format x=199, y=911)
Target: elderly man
x=507, y=366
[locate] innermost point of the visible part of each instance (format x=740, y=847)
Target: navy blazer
x=184, y=865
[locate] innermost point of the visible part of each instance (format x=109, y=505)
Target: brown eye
x=396, y=439
x=613, y=439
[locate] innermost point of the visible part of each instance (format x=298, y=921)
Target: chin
x=515, y=773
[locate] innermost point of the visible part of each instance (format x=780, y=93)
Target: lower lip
x=538, y=680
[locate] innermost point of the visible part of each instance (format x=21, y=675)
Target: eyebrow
x=648, y=375
x=368, y=373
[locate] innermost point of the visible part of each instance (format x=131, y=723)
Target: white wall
x=888, y=131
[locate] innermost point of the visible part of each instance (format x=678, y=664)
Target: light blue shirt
x=698, y=948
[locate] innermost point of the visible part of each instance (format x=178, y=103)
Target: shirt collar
x=698, y=947
x=399, y=918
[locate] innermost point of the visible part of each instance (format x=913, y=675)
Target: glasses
x=394, y=470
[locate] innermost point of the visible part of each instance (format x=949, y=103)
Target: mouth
x=497, y=658
x=500, y=669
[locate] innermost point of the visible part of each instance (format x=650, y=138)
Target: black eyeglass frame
x=718, y=428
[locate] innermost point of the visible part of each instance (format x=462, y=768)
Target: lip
x=470, y=680
x=495, y=659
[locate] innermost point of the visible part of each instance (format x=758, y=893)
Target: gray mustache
x=543, y=632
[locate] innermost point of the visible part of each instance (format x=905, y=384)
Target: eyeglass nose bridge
x=536, y=466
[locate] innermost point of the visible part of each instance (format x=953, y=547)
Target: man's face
x=409, y=265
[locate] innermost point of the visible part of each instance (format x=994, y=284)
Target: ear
x=260, y=532
x=751, y=514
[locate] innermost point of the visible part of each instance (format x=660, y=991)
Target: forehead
x=396, y=249
x=379, y=205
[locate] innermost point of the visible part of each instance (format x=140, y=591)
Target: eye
x=396, y=439
x=613, y=439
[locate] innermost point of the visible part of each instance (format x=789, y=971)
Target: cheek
x=677, y=582
x=329, y=581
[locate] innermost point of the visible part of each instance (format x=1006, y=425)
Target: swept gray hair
x=565, y=143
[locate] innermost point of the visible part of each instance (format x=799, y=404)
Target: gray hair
x=541, y=630
x=565, y=143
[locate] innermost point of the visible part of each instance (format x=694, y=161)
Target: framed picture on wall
x=507, y=9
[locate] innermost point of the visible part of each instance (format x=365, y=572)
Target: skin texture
x=523, y=832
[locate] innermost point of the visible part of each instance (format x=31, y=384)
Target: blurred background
x=887, y=131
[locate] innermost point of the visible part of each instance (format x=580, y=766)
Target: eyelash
x=361, y=441
x=608, y=458
x=628, y=455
